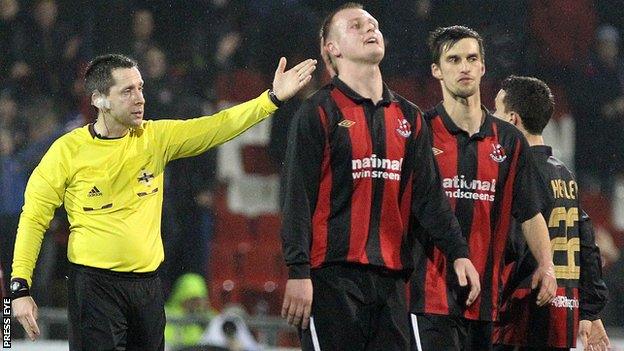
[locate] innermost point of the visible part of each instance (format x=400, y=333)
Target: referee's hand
x=26, y=311
x=297, y=302
x=288, y=83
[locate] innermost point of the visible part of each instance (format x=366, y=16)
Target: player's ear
x=435, y=71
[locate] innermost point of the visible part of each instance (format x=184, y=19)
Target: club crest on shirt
x=498, y=153
x=404, y=128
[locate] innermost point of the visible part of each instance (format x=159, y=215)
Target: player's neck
x=534, y=140
x=105, y=126
x=465, y=112
x=363, y=79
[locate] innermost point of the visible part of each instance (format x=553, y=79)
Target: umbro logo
x=436, y=151
x=346, y=123
x=94, y=192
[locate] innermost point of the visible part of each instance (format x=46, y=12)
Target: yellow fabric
x=121, y=181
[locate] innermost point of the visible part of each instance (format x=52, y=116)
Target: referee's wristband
x=19, y=288
x=274, y=99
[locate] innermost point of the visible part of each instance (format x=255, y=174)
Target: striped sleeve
x=302, y=174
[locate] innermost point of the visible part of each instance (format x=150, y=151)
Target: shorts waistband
x=383, y=271
x=111, y=273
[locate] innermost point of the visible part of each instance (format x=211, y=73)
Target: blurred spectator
x=228, y=330
x=598, y=104
x=189, y=299
x=13, y=42
x=160, y=88
x=53, y=49
x=13, y=176
x=560, y=32
x=18, y=159
x=216, y=42
x=10, y=121
x=143, y=32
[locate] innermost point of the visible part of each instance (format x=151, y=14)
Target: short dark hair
x=326, y=26
x=99, y=74
x=443, y=38
x=532, y=99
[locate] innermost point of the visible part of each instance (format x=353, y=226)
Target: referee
x=109, y=176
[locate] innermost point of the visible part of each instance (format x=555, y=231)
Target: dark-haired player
x=486, y=174
x=528, y=104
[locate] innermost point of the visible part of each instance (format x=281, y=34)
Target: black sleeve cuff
x=460, y=252
x=299, y=271
x=588, y=316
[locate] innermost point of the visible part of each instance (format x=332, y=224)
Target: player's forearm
x=538, y=240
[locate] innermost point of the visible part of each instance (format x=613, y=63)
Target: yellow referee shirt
x=112, y=189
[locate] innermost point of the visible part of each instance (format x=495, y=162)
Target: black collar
x=485, y=130
x=542, y=149
x=386, y=97
x=96, y=135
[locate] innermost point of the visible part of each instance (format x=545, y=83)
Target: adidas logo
x=94, y=192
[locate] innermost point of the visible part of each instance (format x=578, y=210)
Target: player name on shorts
x=460, y=188
x=564, y=302
x=373, y=167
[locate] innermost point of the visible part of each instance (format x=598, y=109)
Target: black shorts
x=114, y=311
x=357, y=307
x=448, y=333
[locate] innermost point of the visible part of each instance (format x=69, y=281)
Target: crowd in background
x=200, y=55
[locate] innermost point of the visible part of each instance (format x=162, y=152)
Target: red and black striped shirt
x=354, y=173
x=486, y=177
x=581, y=292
